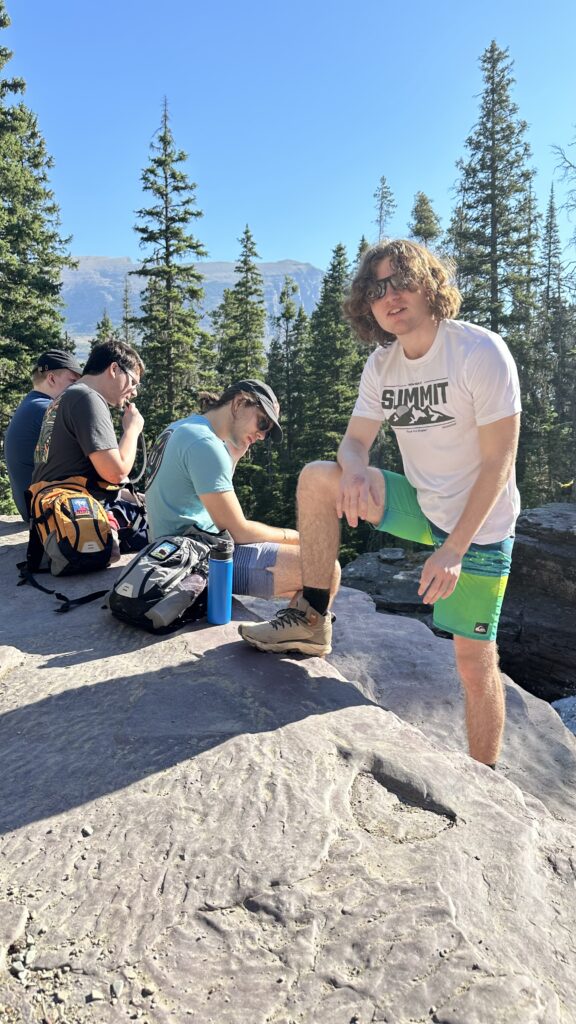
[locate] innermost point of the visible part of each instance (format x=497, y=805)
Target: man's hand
x=353, y=495
x=440, y=574
x=132, y=418
x=355, y=487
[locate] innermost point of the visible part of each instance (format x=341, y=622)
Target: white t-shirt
x=435, y=405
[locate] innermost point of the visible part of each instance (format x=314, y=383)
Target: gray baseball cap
x=266, y=398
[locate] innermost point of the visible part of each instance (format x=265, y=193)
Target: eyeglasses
x=134, y=384
x=377, y=289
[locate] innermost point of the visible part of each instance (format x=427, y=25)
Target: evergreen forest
x=513, y=274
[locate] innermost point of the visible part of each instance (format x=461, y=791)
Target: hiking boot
x=300, y=628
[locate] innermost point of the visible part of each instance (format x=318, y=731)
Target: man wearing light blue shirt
x=190, y=482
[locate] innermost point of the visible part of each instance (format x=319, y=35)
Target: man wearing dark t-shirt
x=54, y=371
x=78, y=437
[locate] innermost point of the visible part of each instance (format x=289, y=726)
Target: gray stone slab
x=195, y=830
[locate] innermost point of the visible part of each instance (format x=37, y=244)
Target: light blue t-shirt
x=188, y=459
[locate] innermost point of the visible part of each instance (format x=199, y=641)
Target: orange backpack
x=69, y=526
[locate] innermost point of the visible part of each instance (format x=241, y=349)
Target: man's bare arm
x=498, y=446
x=226, y=512
x=114, y=464
x=353, y=459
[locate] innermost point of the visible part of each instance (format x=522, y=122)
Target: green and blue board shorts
x=473, y=609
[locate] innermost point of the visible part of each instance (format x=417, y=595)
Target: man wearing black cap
x=54, y=371
x=189, y=481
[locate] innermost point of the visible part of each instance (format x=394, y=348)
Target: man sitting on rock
x=450, y=392
x=78, y=437
x=189, y=481
x=54, y=371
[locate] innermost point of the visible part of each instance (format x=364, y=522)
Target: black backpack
x=164, y=586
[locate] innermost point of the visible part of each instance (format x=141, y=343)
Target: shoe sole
x=296, y=646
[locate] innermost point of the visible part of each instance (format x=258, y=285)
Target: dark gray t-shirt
x=76, y=423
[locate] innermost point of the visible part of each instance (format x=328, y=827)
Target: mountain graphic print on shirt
x=417, y=405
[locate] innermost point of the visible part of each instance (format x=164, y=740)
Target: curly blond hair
x=419, y=267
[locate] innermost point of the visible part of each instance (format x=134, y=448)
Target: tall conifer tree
x=334, y=365
x=127, y=330
x=490, y=233
x=567, y=165
x=240, y=320
x=169, y=323
x=239, y=325
x=32, y=250
x=385, y=206
x=287, y=366
x=553, y=374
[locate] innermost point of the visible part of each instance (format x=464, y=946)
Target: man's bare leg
x=288, y=573
x=477, y=663
x=318, y=522
x=307, y=626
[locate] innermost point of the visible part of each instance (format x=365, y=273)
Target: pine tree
x=105, y=331
x=169, y=323
x=238, y=330
x=566, y=384
x=363, y=246
x=32, y=251
x=489, y=234
x=425, y=224
x=553, y=373
x=567, y=166
x=287, y=364
x=334, y=366
x=385, y=206
x=127, y=332
x=240, y=320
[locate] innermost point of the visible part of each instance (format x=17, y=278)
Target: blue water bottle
x=220, y=572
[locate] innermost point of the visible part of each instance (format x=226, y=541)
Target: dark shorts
x=473, y=609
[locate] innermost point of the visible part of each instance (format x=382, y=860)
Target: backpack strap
x=75, y=602
x=26, y=576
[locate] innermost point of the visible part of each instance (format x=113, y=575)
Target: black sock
x=317, y=599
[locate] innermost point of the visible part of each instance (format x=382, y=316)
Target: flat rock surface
x=192, y=830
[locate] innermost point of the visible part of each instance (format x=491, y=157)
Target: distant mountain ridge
x=97, y=285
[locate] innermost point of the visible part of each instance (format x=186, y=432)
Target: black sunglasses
x=377, y=289
x=264, y=424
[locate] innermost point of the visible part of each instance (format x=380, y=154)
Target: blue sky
x=289, y=113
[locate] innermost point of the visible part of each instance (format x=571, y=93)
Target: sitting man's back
x=54, y=371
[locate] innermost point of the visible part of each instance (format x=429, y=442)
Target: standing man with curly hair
x=449, y=390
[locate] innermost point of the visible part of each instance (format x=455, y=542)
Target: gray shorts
x=252, y=569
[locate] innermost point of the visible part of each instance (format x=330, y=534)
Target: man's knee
x=476, y=661
x=318, y=481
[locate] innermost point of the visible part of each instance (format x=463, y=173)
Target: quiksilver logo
x=481, y=627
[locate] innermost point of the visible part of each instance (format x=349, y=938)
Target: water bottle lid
x=223, y=549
